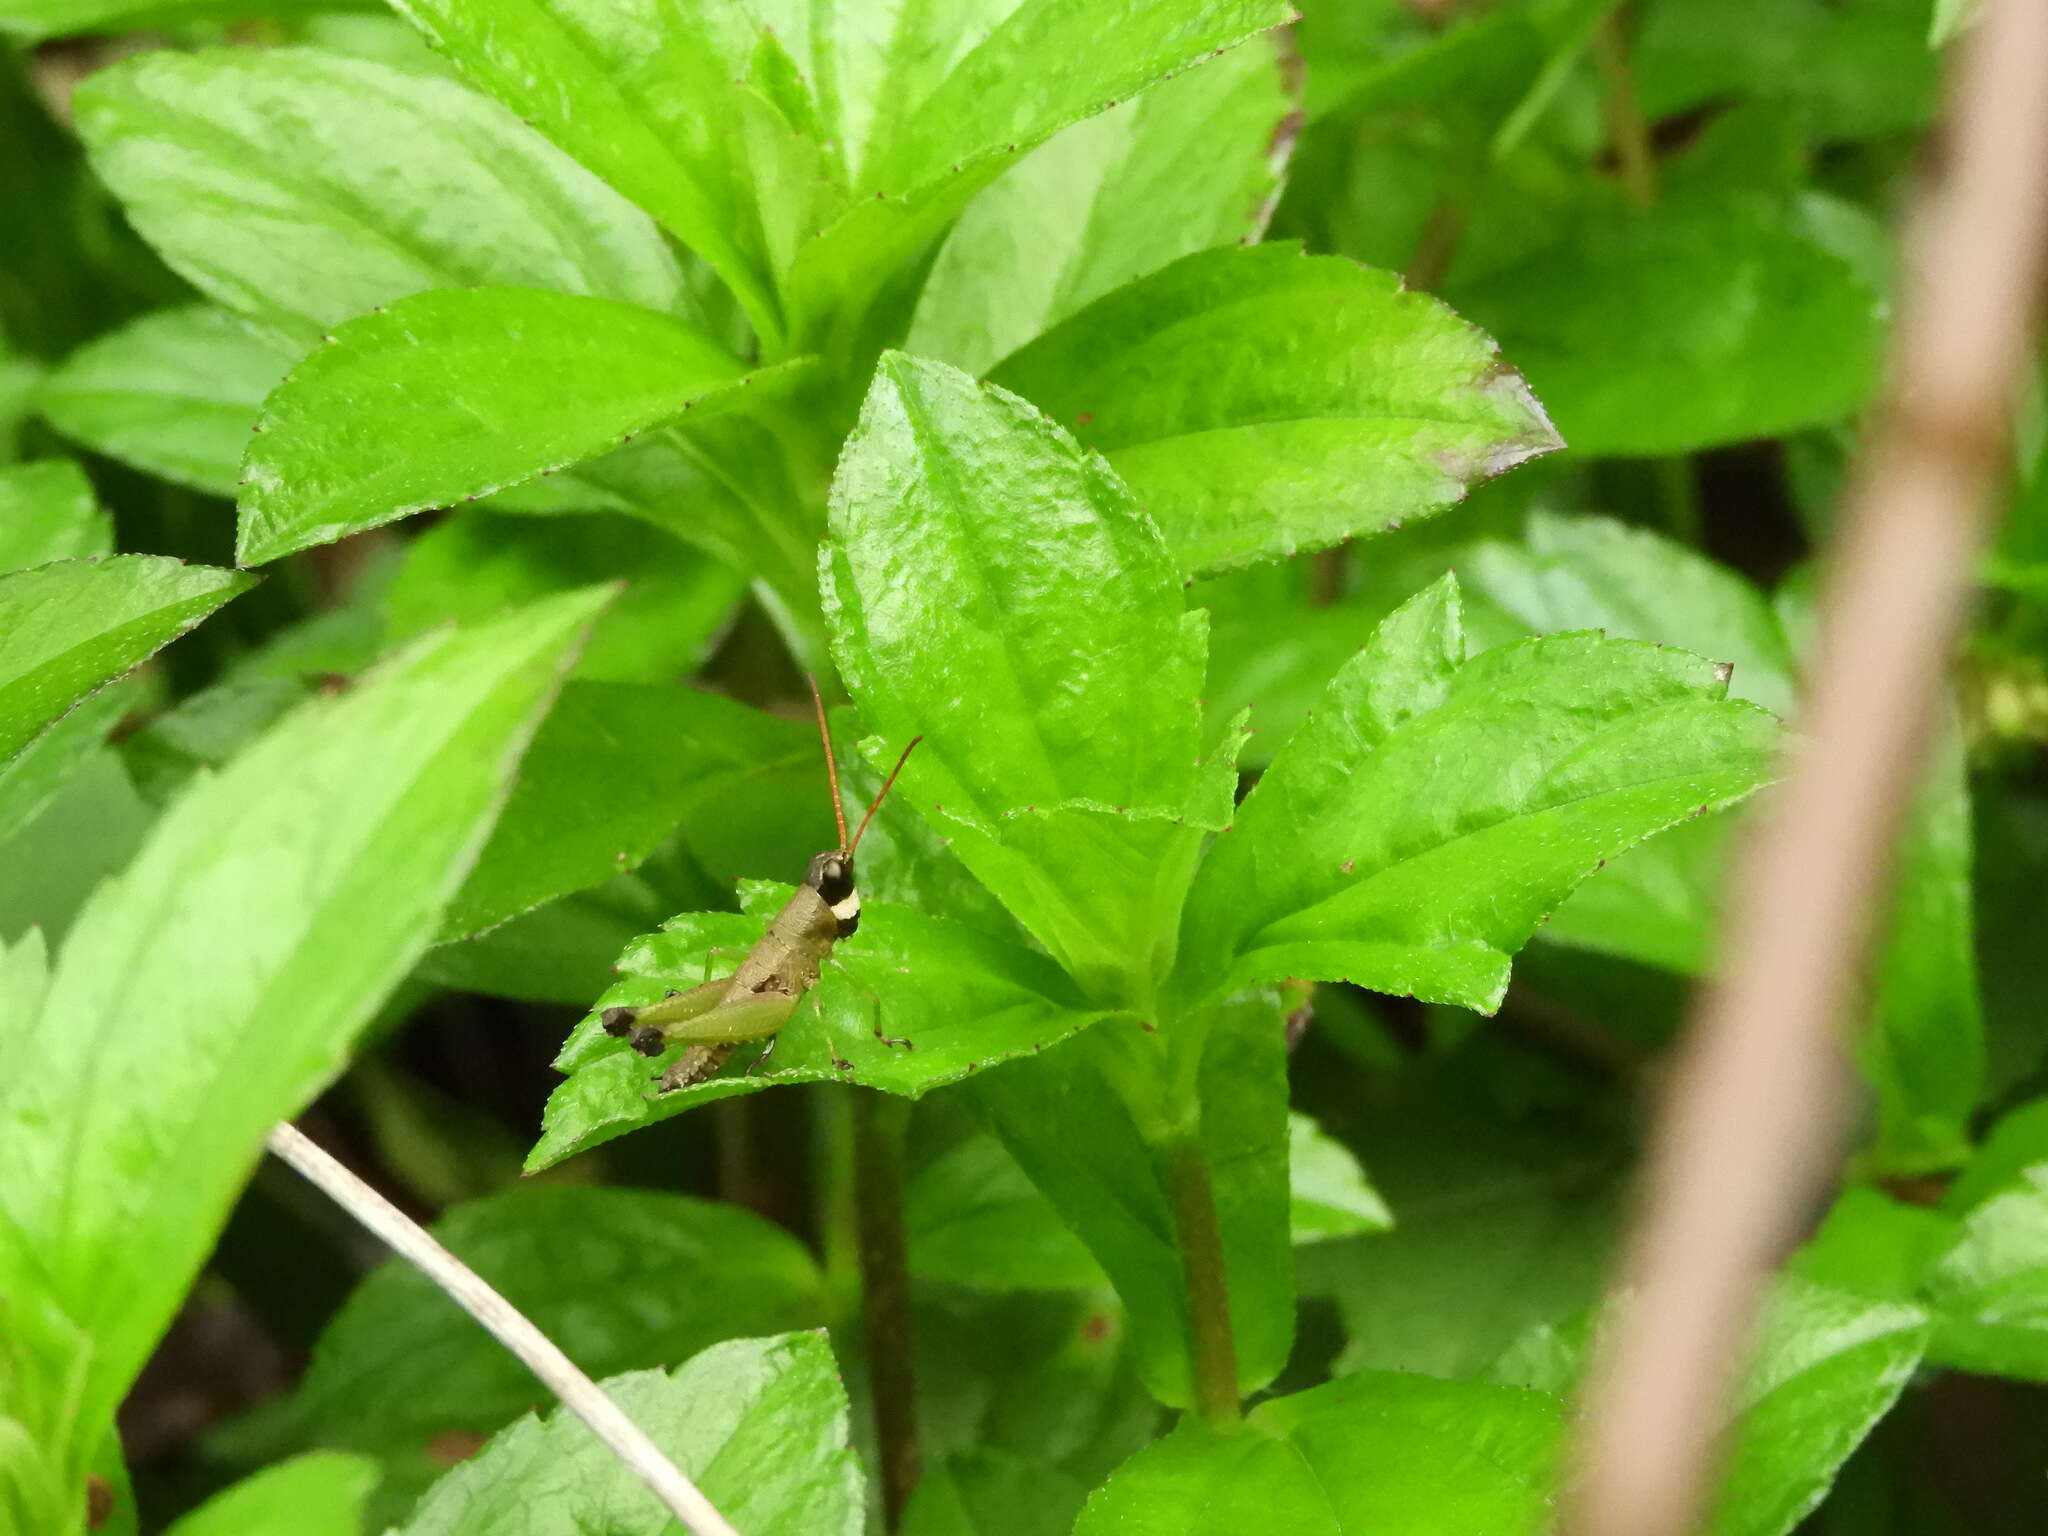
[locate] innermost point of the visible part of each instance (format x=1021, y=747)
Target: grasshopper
x=758, y=999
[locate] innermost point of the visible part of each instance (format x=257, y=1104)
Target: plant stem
x=1212, y=1344
x=879, y=1124
x=1628, y=131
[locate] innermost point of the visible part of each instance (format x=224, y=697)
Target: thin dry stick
x=578, y=1393
x=1753, y=1129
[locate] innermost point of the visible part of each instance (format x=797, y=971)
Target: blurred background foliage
x=1676, y=217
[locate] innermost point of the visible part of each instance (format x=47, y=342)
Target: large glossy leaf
x=448, y=396
x=173, y=393
x=674, y=607
x=1193, y=163
x=69, y=628
x=1826, y=1367
x=299, y=188
x=994, y=589
x=1416, y=830
x=1381, y=406
x=321, y=1494
x=965, y=1001
x=48, y=512
x=622, y=1279
x=1388, y=1454
x=1109, y=1174
x=1692, y=325
x=760, y=1425
x=273, y=907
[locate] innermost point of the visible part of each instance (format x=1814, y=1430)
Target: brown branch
x=1753, y=1128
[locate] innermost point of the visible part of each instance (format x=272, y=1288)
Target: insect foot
x=617, y=1021
x=648, y=1040
x=892, y=1039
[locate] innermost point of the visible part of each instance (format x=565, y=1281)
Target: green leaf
x=1421, y=824
x=173, y=394
x=620, y=1278
x=1384, y=405
x=1989, y=1291
x=48, y=512
x=1391, y=1454
x=1043, y=654
x=1923, y=1049
x=1691, y=325
x=1109, y=1174
x=1857, y=70
x=2016, y=1143
x=947, y=107
x=320, y=1494
x=760, y=1425
x=273, y=907
x=70, y=628
x=965, y=1001
x=448, y=396
x=1872, y=1245
x=1507, y=1204
x=1332, y=1197
x=1193, y=163
x=980, y=1493
x=974, y=1217
x=1826, y=1367
x=674, y=608
x=641, y=93
x=299, y=188
x=30, y=779
x=35, y=20
x=607, y=779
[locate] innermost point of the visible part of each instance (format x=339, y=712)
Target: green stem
x=1212, y=1344
x=879, y=1127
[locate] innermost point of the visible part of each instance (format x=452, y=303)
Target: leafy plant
x=1335, y=661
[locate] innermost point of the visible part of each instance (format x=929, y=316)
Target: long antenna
x=880, y=794
x=831, y=766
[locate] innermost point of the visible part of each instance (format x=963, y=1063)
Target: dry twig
x=1752, y=1129
x=578, y=1393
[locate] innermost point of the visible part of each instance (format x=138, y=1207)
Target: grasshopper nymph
x=757, y=999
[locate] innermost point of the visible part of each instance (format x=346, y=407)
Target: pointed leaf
x=964, y=1000
x=993, y=588
x=760, y=1425
x=1382, y=406
x=620, y=1278
x=446, y=397
x=48, y=512
x=1420, y=825
x=69, y=628
x=1989, y=1291
x=299, y=188
x=272, y=909
x=173, y=393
